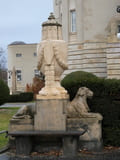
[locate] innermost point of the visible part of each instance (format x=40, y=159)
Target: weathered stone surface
x=70, y=146
x=50, y=114
x=23, y=145
x=20, y=125
x=79, y=116
x=25, y=112
x=93, y=124
x=92, y=139
x=78, y=107
x=52, y=57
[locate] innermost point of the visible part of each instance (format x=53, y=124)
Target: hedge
x=4, y=92
x=106, y=100
x=22, y=97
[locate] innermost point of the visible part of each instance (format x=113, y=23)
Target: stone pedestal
x=23, y=145
x=92, y=139
x=70, y=146
x=50, y=113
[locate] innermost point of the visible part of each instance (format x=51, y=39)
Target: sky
x=20, y=20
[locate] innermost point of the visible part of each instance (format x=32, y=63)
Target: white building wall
x=26, y=63
x=96, y=27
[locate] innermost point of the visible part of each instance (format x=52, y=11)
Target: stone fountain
x=53, y=116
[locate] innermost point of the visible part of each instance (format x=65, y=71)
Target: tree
x=3, y=70
x=4, y=92
x=2, y=59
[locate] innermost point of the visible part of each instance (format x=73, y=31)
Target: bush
x=22, y=97
x=106, y=100
x=73, y=81
x=4, y=92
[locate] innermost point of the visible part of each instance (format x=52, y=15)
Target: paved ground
x=110, y=155
x=4, y=157
x=16, y=104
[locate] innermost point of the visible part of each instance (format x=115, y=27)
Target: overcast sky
x=20, y=20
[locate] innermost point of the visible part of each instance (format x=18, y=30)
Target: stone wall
x=101, y=59
x=113, y=60
x=88, y=57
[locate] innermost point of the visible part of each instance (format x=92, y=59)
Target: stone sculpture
x=52, y=57
x=52, y=61
x=23, y=120
x=25, y=112
x=48, y=117
x=78, y=114
x=79, y=107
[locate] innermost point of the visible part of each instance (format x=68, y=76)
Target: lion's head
x=84, y=91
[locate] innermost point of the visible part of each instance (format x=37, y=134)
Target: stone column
x=65, y=20
x=14, y=80
x=79, y=20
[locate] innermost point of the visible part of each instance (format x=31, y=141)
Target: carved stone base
x=20, y=125
x=70, y=146
x=50, y=114
x=92, y=139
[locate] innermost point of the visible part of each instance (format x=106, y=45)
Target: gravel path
x=16, y=104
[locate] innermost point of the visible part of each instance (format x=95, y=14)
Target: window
x=36, y=73
x=34, y=54
x=118, y=33
x=18, y=55
x=9, y=74
x=73, y=20
x=19, y=75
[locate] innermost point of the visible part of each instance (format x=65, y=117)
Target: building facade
x=22, y=65
x=92, y=30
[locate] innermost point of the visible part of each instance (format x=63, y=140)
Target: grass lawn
x=5, y=116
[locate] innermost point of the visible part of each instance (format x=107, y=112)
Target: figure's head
x=51, y=29
x=84, y=91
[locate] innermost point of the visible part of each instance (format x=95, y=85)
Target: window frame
x=36, y=73
x=35, y=54
x=19, y=75
x=118, y=31
x=73, y=25
x=18, y=55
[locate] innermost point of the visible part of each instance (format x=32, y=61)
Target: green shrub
x=22, y=97
x=4, y=92
x=111, y=136
x=78, y=79
x=106, y=100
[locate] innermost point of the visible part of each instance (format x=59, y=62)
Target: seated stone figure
x=78, y=114
x=25, y=112
x=78, y=107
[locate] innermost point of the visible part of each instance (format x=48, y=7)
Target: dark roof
x=17, y=43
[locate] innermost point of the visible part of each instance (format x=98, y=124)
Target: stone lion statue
x=25, y=112
x=78, y=107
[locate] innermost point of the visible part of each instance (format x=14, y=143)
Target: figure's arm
x=59, y=60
